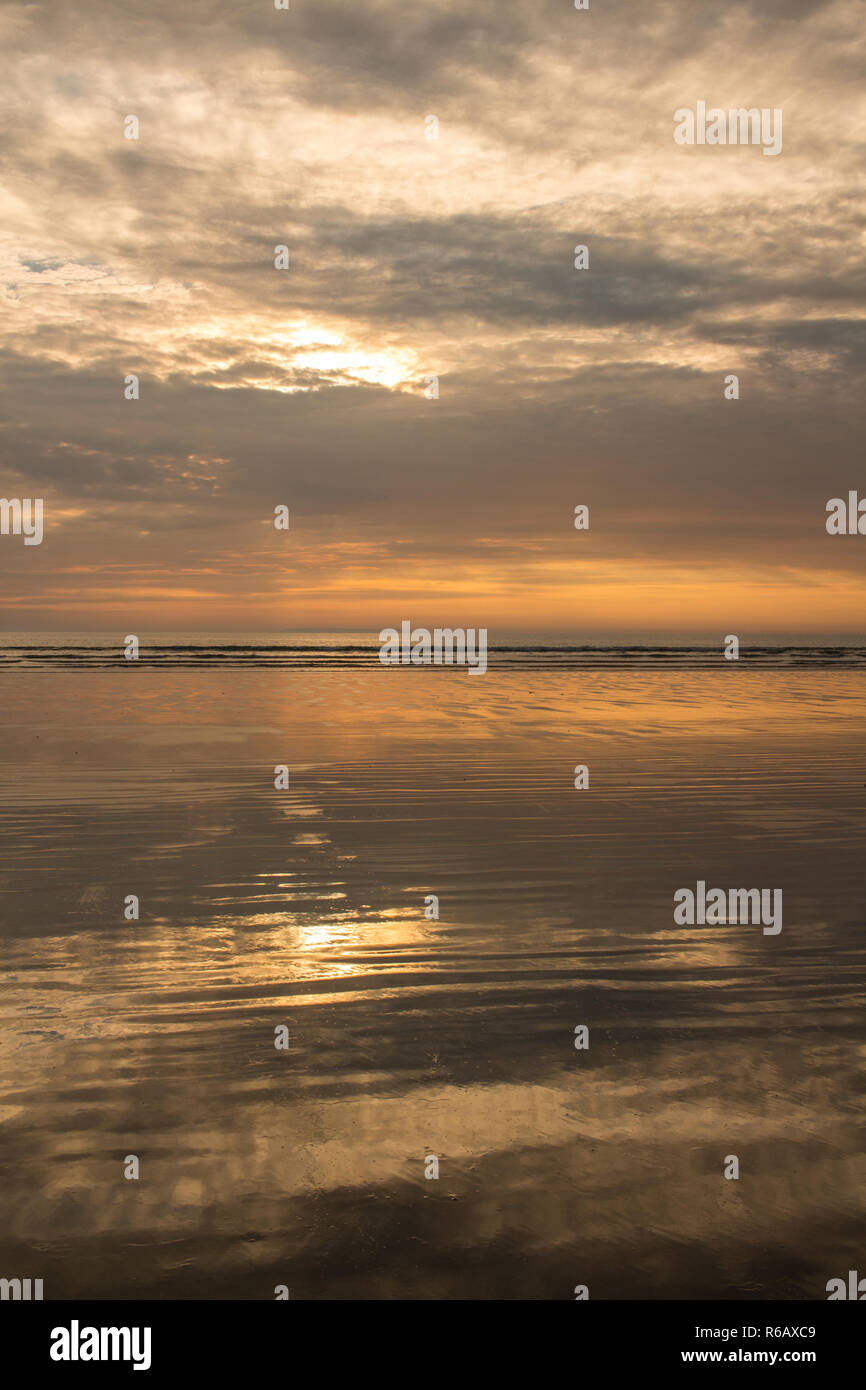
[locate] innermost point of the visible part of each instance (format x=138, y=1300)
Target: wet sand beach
x=410, y=1037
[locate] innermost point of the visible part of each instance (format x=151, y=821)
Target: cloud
x=411, y=257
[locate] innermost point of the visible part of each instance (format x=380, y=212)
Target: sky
x=412, y=258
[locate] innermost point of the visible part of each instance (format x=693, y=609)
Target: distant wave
x=330, y=656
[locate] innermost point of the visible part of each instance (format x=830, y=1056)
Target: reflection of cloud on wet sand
x=452, y=1037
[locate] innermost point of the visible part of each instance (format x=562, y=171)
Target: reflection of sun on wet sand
x=305, y=909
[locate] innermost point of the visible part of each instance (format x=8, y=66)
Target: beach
x=411, y=1036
